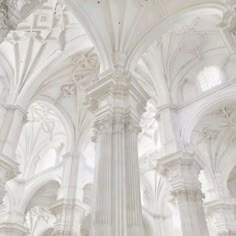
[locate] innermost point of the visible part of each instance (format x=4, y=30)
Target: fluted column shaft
x=182, y=172
x=117, y=210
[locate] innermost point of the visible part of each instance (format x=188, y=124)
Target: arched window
x=210, y=77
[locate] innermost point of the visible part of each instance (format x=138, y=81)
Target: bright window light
x=210, y=77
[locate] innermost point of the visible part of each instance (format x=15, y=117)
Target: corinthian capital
x=118, y=101
x=116, y=92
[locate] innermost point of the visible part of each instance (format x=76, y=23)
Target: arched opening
x=43, y=140
x=37, y=215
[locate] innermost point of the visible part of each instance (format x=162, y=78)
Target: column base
x=12, y=229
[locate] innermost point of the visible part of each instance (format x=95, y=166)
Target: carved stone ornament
x=68, y=90
x=228, y=28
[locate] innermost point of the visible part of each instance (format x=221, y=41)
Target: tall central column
x=118, y=102
x=182, y=171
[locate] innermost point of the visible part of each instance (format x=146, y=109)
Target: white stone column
x=168, y=126
x=68, y=210
x=222, y=214
x=10, y=132
x=182, y=172
x=117, y=102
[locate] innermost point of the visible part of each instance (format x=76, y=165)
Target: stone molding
x=75, y=209
x=12, y=229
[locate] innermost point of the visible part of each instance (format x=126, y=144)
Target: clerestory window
x=210, y=77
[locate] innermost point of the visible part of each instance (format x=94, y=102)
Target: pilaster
x=10, y=132
x=168, y=125
x=182, y=172
x=67, y=209
x=117, y=102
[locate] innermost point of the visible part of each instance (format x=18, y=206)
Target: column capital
x=223, y=214
x=180, y=160
x=182, y=170
x=117, y=101
x=116, y=89
x=220, y=204
x=68, y=214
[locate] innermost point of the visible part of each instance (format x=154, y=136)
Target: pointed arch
x=25, y=9
x=36, y=187
x=162, y=28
